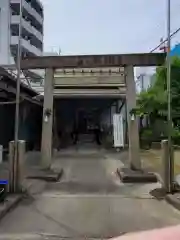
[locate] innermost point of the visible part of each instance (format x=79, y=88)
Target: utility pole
x=168, y=62
x=18, y=82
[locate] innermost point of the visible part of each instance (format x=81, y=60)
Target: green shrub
x=146, y=134
x=146, y=137
x=176, y=135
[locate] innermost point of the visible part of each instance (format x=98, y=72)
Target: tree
x=153, y=101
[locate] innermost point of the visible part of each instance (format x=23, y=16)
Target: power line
x=154, y=49
x=174, y=33
x=157, y=47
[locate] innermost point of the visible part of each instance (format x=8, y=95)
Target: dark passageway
x=80, y=121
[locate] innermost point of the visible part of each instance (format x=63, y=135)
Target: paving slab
x=38, y=236
x=92, y=216
x=9, y=203
x=89, y=202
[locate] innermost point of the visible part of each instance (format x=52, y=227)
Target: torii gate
x=52, y=63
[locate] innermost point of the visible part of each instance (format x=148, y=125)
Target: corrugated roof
x=12, y=81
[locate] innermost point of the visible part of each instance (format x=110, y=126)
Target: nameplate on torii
x=86, y=80
x=90, y=71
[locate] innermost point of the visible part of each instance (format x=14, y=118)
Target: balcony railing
x=15, y=19
x=27, y=45
x=31, y=10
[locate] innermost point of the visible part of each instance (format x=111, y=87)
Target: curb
x=9, y=204
x=130, y=176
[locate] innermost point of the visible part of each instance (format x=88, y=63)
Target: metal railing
x=24, y=79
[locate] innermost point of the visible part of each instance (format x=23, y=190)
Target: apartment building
x=32, y=29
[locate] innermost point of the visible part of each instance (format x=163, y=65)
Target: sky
x=107, y=26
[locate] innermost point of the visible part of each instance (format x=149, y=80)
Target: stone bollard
x=11, y=167
x=1, y=153
x=21, y=163
x=167, y=167
x=16, y=171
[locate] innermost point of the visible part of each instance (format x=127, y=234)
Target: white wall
x=107, y=116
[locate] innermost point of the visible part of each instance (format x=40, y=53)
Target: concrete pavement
x=90, y=201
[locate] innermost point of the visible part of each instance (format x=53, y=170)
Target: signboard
x=118, y=130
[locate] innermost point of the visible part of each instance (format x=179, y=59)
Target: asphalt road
x=89, y=202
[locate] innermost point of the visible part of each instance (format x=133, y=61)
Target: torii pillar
x=47, y=121
x=133, y=131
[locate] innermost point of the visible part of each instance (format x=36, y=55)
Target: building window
x=14, y=13
x=14, y=33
